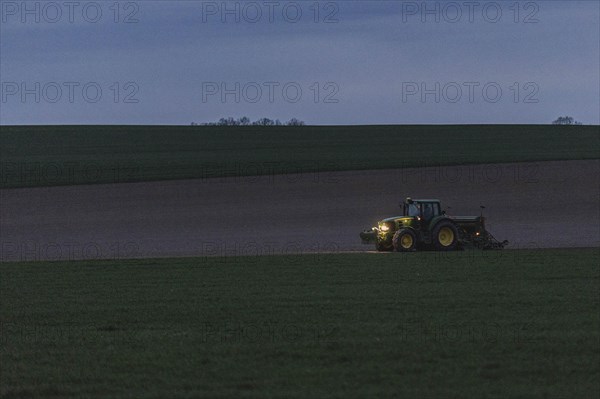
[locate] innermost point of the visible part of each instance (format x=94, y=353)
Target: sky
x=323, y=62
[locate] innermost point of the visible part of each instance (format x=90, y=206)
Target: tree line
x=245, y=121
x=566, y=120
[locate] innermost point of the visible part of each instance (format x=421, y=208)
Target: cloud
x=368, y=56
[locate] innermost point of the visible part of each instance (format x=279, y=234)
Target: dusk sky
x=328, y=62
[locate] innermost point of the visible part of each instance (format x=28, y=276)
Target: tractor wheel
x=445, y=236
x=404, y=240
x=381, y=247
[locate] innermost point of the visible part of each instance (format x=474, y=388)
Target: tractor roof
x=421, y=200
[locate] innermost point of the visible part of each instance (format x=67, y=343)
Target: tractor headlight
x=384, y=228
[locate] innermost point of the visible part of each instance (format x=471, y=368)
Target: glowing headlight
x=384, y=228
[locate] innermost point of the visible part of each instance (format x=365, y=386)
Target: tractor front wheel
x=380, y=246
x=404, y=240
x=445, y=236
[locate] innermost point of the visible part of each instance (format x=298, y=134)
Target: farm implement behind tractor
x=424, y=225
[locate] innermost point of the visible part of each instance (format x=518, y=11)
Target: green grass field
x=65, y=155
x=520, y=323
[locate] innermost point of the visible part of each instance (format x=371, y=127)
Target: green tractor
x=424, y=225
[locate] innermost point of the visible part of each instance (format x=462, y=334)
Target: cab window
x=427, y=211
x=414, y=210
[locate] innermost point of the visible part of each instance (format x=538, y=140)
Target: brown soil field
x=533, y=205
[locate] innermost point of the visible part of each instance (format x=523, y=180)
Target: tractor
x=424, y=225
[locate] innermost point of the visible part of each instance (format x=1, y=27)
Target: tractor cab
x=424, y=210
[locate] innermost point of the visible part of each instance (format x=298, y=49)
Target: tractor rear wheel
x=404, y=240
x=445, y=236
